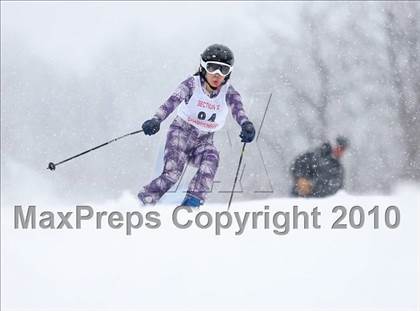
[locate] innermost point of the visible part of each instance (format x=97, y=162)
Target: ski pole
x=52, y=166
x=236, y=176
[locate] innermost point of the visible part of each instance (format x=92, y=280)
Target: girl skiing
x=203, y=101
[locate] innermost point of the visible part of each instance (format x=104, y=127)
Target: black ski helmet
x=217, y=53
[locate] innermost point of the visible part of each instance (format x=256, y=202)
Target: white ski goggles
x=217, y=67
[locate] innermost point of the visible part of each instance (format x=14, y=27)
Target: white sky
x=74, y=33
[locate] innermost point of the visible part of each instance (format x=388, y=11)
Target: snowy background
x=74, y=75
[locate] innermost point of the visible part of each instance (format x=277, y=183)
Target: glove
x=151, y=127
x=304, y=186
x=248, y=132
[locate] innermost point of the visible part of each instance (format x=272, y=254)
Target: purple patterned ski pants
x=184, y=144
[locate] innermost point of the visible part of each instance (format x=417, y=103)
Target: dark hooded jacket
x=320, y=167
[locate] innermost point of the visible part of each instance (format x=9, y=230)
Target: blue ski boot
x=191, y=201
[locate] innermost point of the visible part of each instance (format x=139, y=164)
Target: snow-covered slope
x=168, y=268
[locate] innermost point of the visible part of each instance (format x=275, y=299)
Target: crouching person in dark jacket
x=319, y=173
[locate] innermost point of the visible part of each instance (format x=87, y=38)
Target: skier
x=319, y=173
x=203, y=101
